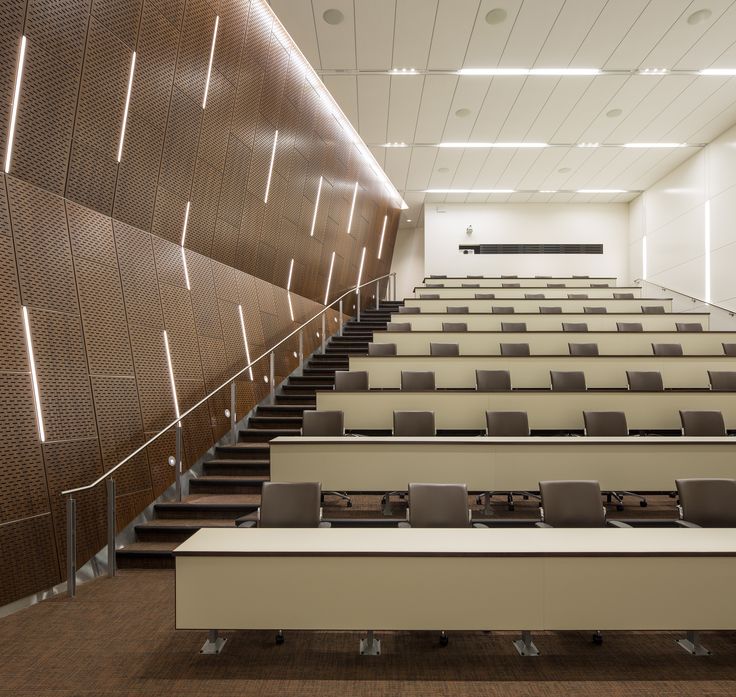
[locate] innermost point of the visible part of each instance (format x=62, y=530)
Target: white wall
x=408, y=260
x=565, y=223
x=672, y=216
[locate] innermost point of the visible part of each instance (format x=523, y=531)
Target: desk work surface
x=523, y=281
x=518, y=293
x=521, y=305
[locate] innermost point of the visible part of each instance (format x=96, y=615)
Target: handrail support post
x=111, y=528
x=71, y=547
x=233, y=415
x=301, y=347
x=178, y=456
x=378, y=295
x=272, y=374
x=324, y=332
x=357, y=305
x=340, y=334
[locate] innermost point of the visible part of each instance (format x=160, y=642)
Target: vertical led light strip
x=186, y=270
x=644, y=262
x=316, y=207
x=270, y=167
x=383, y=232
x=171, y=375
x=291, y=271
x=34, y=377
x=329, y=277
x=707, y=251
x=245, y=341
x=352, y=207
x=16, y=98
x=186, y=223
x=209, y=66
x=360, y=271
x=127, y=106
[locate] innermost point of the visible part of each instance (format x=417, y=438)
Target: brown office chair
x=515, y=349
x=492, y=380
x=434, y=285
x=688, y=326
x=595, y=310
x=667, y=349
x=414, y=423
x=507, y=423
x=502, y=310
x=438, y=506
x=629, y=327
x=438, y=275
x=729, y=349
x=567, y=380
x=403, y=310
x=470, y=285
x=644, y=380
x=535, y=276
x=454, y=326
x=351, y=380
x=722, y=380
x=485, y=296
x=534, y=296
x=580, y=276
x=398, y=326
x=430, y=296
x=707, y=503
x=511, y=276
x=469, y=276
x=652, y=309
x=573, y=504
x=323, y=423
x=511, y=285
x=605, y=423
x=513, y=326
x=375, y=349
x=457, y=309
x=550, y=310
x=574, y=327
x=623, y=296
x=583, y=349
x=417, y=380
x=555, y=285
x=577, y=296
x=702, y=423
x=288, y=505
x=436, y=349
x=599, y=285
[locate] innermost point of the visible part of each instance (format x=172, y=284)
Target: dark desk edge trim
x=455, y=554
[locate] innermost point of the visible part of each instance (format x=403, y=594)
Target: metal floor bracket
x=525, y=646
x=691, y=644
x=370, y=646
x=214, y=643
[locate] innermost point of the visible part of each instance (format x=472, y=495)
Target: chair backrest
x=605, y=423
x=722, y=380
x=417, y=380
x=567, y=380
x=515, y=350
x=644, y=380
x=414, y=423
x=492, y=380
x=511, y=285
x=550, y=310
x=502, y=310
x=555, y=285
x=688, y=326
x=623, y=296
x=323, y=423
x=470, y=285
x=652, y=309
x=485, y=296
x=595, y=310
x=376, y=349
x=457, y=309
x=454, y=326
x=572, y=504
x=729, y=349
x=438, y=506
x=574, y=327
x=702, y=423
x=583, y=349
x=434, y=275
x=507, y=423
x=352, y=380
x=436, y=349
x=667, y=349
x=629, y=327
x=511, y=276
x=434, y=285
x=708, y=502
x=534, y=296
x=599, y=285
x=403, y=310
x=513, y=326
x=429, y=296
x=398, y=326
x=290, y=505
x=577, y=296
x=574, y=276
x=469, y=276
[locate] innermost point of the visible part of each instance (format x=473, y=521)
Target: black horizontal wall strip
x=532, y=248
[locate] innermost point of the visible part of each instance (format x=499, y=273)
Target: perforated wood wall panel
x=92, y=246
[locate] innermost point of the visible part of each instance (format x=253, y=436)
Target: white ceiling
x=436, y=37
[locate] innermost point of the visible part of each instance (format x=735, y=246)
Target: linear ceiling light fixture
x=520, y=72
x=34, y=377
x=270, y=167
x=316, y=207
x=601, y=191
x=360, y=272
x=186, y=223
x=718, y=72
x=588, y=145
x=127, y=106
x=469, y=191
x=245, y=341
x=171, y=375
x=209, y=66
x=491, y=145
x=383, y=232
x=352, y=207
x=329, y=278
x=654, y=145
x=16, y=97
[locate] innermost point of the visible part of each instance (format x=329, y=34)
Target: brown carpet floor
x=118, y=638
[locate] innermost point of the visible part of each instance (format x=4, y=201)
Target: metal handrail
x=106, y=475
x=685, y=295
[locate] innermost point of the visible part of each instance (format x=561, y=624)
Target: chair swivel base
x=214, y=643
x=691, y=644
x=370, y=646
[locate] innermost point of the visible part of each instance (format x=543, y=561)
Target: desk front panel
x=518, y=293
x=522, y=305
x=526, y=282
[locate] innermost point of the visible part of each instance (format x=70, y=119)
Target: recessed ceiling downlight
x=699, y=16
x=462, y=113
x=333, y=16
x=496, y=16
x=614, y=113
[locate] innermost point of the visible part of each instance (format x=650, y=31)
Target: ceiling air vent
x=531, y=248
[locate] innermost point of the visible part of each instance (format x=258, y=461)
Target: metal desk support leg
x=525, y=646
x=214, y=643
x=691, y=644
x=370, y=646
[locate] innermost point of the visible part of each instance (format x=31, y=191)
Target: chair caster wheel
x=619, y=507
x=279, y=637
x=597, y=638
x=349, y=504
x=643, y=504
x=444, y=639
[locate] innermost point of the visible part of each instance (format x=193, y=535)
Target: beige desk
x=480, y=322
x=524, y=282
x=381, y=464
x=547, y=410
x=461, y=579
x=518, y=293
x=549, y=343
x=533, y=371
x=522, y=305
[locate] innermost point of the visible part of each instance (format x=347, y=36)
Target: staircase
x=230, y=485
